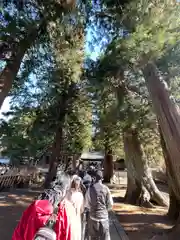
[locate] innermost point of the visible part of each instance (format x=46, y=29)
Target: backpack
x=47, y=232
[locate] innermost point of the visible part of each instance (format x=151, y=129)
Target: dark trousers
x=98, y=230
x=85, y=224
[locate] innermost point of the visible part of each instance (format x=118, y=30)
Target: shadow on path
x=12, y=205
x=149, y=223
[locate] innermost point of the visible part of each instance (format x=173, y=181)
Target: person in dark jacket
x=99, y=201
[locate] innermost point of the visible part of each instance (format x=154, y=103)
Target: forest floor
x=138, y=222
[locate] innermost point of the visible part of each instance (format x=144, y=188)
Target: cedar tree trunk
x=168, y=115
x=141, y=186
x=54, y=160
x=174, y=205
x=65, y=106
x=8, y=74
x=108, y=167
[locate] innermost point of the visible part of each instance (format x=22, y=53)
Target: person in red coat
x=39, y=212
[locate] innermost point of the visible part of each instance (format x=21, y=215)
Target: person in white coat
x=75, y=196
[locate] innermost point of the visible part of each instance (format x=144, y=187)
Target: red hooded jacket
x=37, y=215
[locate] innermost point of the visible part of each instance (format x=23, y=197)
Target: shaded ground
x=141, y=223
x=12, y=204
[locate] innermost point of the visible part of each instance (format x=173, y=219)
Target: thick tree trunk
x=174, y=206
x=74, y=162
x=141, y=186
x=174, y=203
x=133, y=191
x=54, y=160
x=108, y=167
x=168, y=115
x=8, y=74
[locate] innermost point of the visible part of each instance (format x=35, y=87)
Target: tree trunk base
x=138, y=194
x=159, y=199
x=131, y=198
x=133, y=192
x=140, y=178
x=174, y=233
x=174, y=207
x=144, y=198
x=147, y=204
x=155, y=195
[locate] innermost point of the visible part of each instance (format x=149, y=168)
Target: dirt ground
x=139, y=223
x=12, y=204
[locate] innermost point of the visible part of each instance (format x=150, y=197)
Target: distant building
x=92, y=157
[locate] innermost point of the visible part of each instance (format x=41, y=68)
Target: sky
x=5, y=107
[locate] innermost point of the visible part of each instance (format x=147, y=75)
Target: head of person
x=99, y=175
x=76, y=183
x=71, y=173
x=81, y=174
x=58, y=189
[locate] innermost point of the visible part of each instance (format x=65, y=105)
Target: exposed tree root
x=141, y=186
x=159, y=199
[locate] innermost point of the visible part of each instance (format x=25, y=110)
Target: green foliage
x=78, y=126
x=152, y=32
x=51, y=94
x=17, y=139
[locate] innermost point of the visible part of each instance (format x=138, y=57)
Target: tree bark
x=74, y=162
x=8, y=74
x=168, y=115
x=65, y=104
x=141, y=186
x=54, y=160
x=174, y=203
x=108, y=167
x=133, y=191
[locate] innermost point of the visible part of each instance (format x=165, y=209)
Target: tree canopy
x=100, y=75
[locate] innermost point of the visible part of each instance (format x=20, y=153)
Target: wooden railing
x=9, y=181
x=14, y=177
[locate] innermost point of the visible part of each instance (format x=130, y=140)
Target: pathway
x=116, y=230
x=13, y=203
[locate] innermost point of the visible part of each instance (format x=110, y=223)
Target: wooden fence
x=16, y=177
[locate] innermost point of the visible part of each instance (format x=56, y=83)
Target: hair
x=82, y=174
x=56, y=193
x=99, y=175
x=76, y=182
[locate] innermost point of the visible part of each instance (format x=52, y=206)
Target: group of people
x=57, y=213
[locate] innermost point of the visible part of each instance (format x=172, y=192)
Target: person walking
x=51, y=208
x=75, y=196
x=98, y=201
